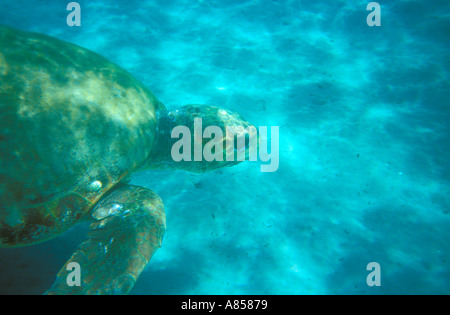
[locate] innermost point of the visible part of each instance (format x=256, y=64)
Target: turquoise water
x=364, y=157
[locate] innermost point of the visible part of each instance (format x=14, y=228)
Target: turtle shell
x=73, y=125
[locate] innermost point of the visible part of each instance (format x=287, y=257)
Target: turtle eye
x=194, y=111
x=238, y=129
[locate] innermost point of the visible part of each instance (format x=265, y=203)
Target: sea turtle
x=74, y=126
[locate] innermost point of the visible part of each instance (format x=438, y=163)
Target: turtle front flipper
x=129, y=227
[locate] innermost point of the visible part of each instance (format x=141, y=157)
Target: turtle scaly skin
x=74, y=126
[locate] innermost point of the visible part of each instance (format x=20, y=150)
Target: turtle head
x=202, y=138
